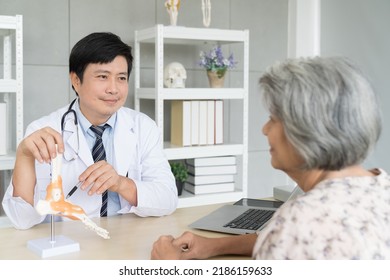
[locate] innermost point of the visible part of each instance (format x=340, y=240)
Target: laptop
x=244, y=216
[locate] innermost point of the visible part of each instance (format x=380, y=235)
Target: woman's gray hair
x=328, y=108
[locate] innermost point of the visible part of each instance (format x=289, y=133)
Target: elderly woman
x=324, y=121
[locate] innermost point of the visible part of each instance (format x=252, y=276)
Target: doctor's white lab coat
x=137, y=153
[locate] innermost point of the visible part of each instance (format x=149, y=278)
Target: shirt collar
x=85, y=124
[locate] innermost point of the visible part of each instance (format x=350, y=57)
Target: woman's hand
x=187, y=246
x=164, y=249
x=192, y=246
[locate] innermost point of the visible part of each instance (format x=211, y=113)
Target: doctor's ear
x=75, y=80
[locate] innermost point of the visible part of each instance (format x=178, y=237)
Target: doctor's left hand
x=102, y=176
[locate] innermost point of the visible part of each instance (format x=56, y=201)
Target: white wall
x=359, y=29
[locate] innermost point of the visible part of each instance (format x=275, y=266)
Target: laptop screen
x=259, y=203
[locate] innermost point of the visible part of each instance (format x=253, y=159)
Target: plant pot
x=179, y=186
x=216, y=78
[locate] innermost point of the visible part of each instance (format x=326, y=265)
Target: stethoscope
x=70, y=110
x=67, y=155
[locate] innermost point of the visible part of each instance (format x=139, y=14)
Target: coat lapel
x=76, y=143
x=124, y=138
x=125, y=150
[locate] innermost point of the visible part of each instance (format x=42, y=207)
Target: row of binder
x=196, y=122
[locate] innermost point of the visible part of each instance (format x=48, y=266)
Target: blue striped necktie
x=98, y=154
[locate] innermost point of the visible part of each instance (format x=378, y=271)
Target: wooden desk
x=132, y=237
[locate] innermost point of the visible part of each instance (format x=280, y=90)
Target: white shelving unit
x=11, y=89
x=161, y=36
x=11, y=84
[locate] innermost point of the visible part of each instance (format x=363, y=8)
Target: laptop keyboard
x=251, y=219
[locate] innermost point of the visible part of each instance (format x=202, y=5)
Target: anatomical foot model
x=56, y=204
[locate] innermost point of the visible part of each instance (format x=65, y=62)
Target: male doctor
x=135, y=172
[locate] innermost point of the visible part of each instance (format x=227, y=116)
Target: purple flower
x=215, y=61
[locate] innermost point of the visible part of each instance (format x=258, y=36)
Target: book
x=210, y=122
x=210, y=179
x=212, y=170
x=203, y=122
x=210, y=188
x=3, y=129
x=218, y=122
x=194, y=122
x=209, y=161
x=181, y=122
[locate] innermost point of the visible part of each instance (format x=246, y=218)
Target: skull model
x=175, y=75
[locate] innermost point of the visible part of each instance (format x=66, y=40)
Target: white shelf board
x=188, y=35
x=7, y=22
x=7, y=162
x=188, y=200
x=191, y=93
x=8, y=85
x=175, y=152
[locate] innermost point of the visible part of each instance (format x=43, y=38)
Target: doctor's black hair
x=99, y=47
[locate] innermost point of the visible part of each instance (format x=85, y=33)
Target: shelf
x=7, y=162
x=180, y=35
x=11, y=91
x=174, y=152
x=8, y=22
x=191, y=93
x=8, y=85
x=161, y=36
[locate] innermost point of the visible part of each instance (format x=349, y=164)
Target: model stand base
x=47, y=247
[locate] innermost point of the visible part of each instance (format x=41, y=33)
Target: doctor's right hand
x=41, y=145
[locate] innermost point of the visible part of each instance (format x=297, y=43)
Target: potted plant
x=180, y=172
x=216, y=65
